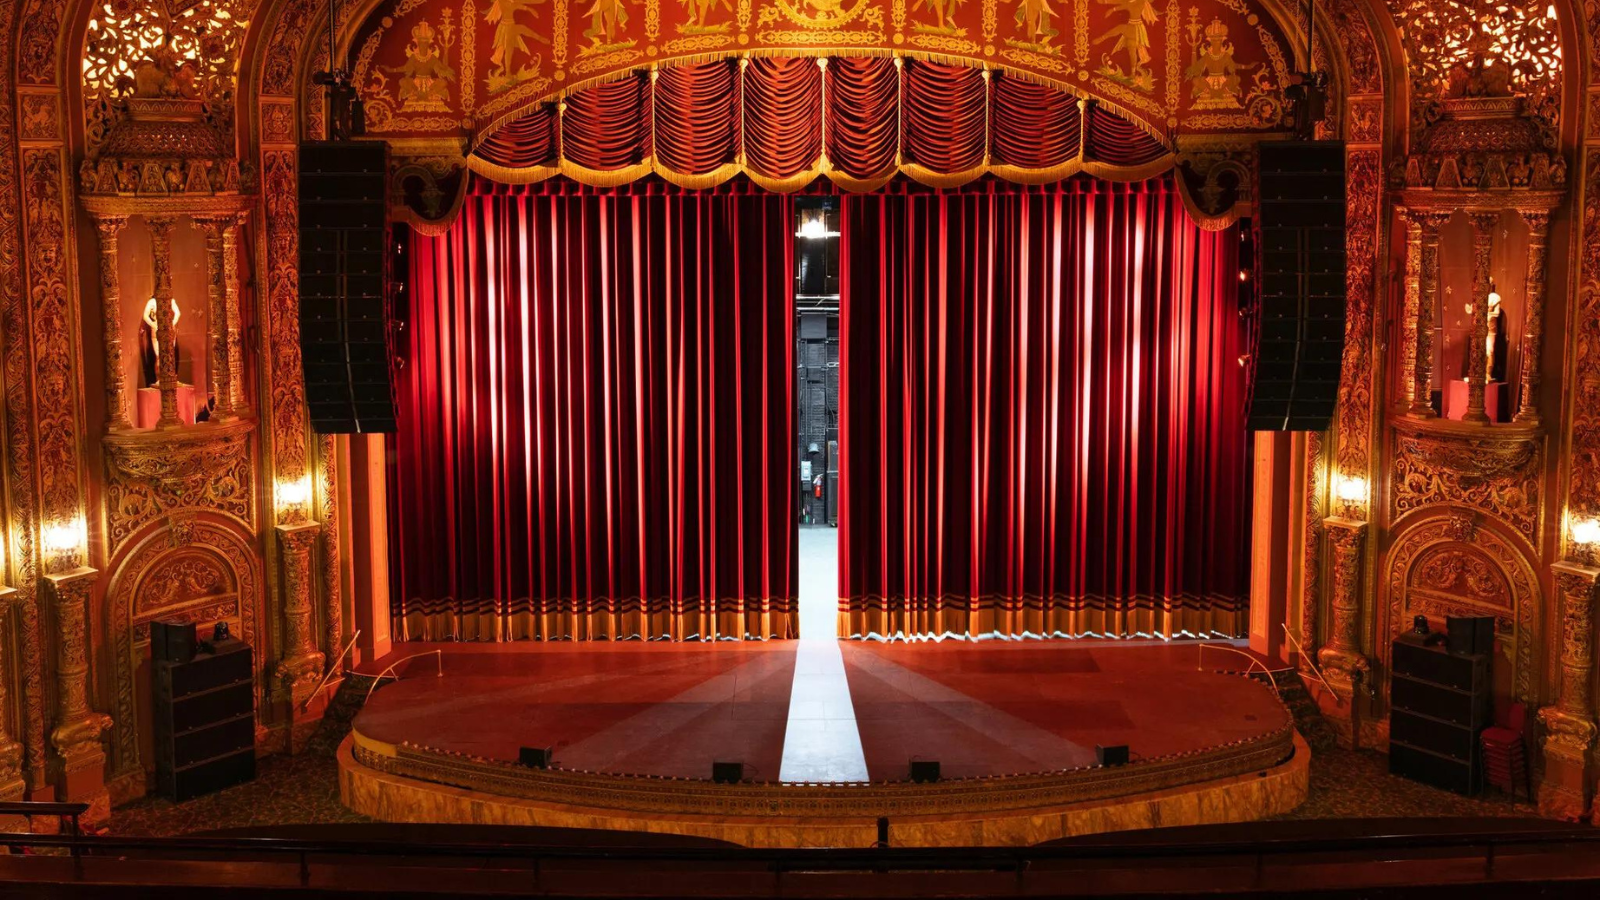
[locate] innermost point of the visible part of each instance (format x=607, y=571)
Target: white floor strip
x=822, y=742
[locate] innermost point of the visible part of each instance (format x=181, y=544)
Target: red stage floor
x=991, y=708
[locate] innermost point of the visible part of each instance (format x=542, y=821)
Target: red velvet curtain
x=596, y=419
x=1041, y=422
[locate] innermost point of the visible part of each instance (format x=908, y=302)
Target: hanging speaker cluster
x=344, y=286
x=1300, y=286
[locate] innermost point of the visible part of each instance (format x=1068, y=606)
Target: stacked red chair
x=1505, y=753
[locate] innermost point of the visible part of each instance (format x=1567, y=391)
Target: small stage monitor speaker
x=1469, y=635
x=534, y=757
x=172, y=641
x=727, y=772
x=1114, y=755
x=924, y=771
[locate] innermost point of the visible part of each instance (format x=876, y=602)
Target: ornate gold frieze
x=193, y=569
x=1484, y=573
x=1497, y=469
x=152, y=474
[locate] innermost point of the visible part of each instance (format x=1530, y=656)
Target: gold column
x=1569, y=725
x=1342, y=658
x=1533, y=334
x=301, y=664
x=1411, y=357
x=235, y=404
x=216, y=318
x=1427, y=302
x=12, y=785
x=111, y=315
x=76, y=736
x=1483, y=226
x=166, y=333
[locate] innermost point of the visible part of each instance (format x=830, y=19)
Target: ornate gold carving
x=233, y=320
x=1353, y=423
x=76, y=736
x=12, y=785
x=1465, y=48
x=301, y=663
x=193, y=569
x=1533, y=327
x=166, y=333
x=111, y=308
x=1584, y=470
x=1569, y=725
x=282, y=332
x=154, y=474
x=1499, y=472
x=1342, y=658
x=1483, y=226
x=1457, y=542
x=332, y=595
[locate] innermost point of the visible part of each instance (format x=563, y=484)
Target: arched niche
x=188, y=569
x=1463, y=563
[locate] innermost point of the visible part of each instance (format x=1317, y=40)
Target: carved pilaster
x=111, y=315
x=1483, y=226
x=1427, y=302
x=216, y=317
x=233, y=403
x=1416, y=386
x=76, y=736
x=1533, y=328
x=1569, y=725
x=1342, y=657
x=301, y=664
x=12, y=785
x=166, y=330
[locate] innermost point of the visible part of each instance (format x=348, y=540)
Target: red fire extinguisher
x=816, y=487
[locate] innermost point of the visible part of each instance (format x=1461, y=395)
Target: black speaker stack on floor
x=345, y=340
x=1441, y=701
x=1298, y=318
x=205, y=723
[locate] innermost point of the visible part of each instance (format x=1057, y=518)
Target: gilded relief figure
x=605, y=17
x=1133, y=38
x=1214, y=75
x=1033, y=18
x=698, y=10
x=425, y=78
x=510, y=43
x=944, y=12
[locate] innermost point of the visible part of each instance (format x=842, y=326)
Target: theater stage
x=635, y=727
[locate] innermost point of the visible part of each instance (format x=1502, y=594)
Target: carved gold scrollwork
x=1457, y=563
x=1496, y=470
x=193, y=569
x=153, y=473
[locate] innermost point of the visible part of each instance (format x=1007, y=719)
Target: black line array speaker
x=205, y=723
x=345, y=337
x=1300, y=286
x=1440, y=703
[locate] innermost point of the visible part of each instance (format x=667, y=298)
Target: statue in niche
x=944, y=12
x=698, y=10
x=164, y=76
x=1033, y=18
x=510, y=42
x=1494, y=345
x=150, y=348
x=1214, y=74
x=605, y=18
x=425, y=78
x=1133, y=38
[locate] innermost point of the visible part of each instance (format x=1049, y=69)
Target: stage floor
x=986, y=709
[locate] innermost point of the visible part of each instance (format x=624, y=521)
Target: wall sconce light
x=1351, y=490
x=66, y=537
x=1586, y=532
x=294, y=493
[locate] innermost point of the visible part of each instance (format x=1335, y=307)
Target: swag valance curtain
x=784, y=121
